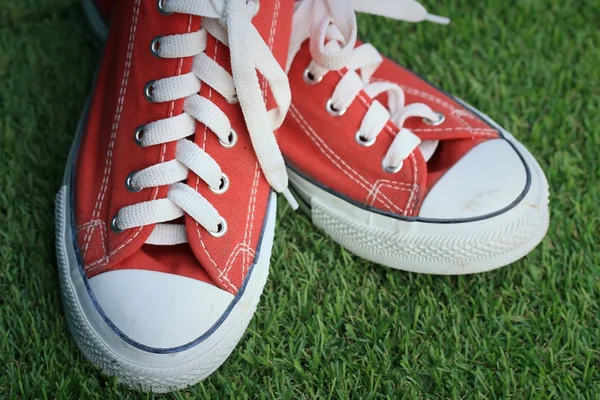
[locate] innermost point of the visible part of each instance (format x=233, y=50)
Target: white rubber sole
x=433, y=248
x=132, y=366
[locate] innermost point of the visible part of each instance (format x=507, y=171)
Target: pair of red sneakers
x=200, y=110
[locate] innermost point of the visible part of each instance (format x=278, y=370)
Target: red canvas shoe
x=395, y=169
x=166, y=216
x=390, y=166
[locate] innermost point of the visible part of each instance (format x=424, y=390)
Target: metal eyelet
x=113, y=225
x=390, y=169
x=221, y=229
x=149, y=91
x=334, y=111
x=155, y=46
x=362, y=141
x=161, y=7
x=256, y=9
x=440, y=120
x=232, y=140
x=310, y=79
x=129, y=183
x=223, y=186
x=139, y=135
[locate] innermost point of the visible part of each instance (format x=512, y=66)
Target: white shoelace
x=229, y=21
x=331, y=27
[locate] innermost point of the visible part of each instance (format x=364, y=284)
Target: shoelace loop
x=230, y=22
x=331, y=27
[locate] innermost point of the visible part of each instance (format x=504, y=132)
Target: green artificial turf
x=329, y=324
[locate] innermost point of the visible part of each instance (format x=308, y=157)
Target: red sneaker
x=393, y=168
x=165, y=218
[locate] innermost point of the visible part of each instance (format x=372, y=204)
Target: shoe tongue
x=428, y=148
x=226, y=259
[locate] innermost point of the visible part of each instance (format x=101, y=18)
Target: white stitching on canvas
x=387, y=183
x=375, y=192
x=91, y=226
x=257, y=173
x=239, y=248
x=92, y=223
x=322, y=146
x=103, y=236
x=274, y=24
x=386, y=202
x=409, y=210
x=271, y=39
x=455, y=110
x=345, y=168
x=428, y=96
x=250, y=216
x=413, y=196
x=116, y=121
x=223, y=279
x=98, y=263
x=477, y=130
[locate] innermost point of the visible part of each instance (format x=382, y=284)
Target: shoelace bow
x=230, y=22
x=331, y=27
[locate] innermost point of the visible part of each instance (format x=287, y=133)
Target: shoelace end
x=290, y=199
x=437, y=19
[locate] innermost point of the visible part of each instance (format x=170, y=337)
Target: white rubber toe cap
x=159, y=310
x=486, y=180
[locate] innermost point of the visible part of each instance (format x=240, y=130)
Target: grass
x=331, y=325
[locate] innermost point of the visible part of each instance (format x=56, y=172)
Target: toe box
x=490, y=178
x=158, y=310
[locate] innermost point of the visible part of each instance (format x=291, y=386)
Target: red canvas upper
x=108, y=153
x=323, y=147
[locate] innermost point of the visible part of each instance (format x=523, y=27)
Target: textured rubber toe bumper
x=444, y=248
